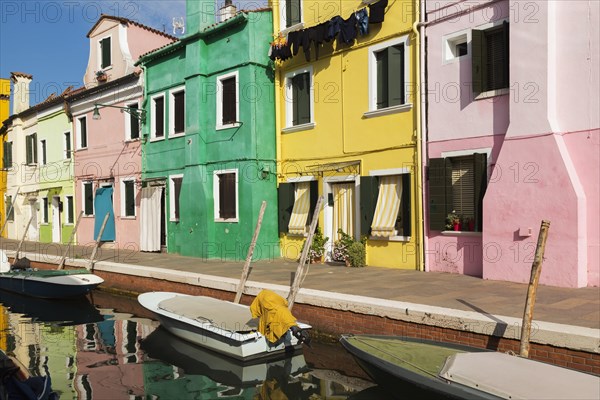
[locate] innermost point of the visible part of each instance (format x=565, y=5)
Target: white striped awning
x=388, y=205
x=297, y=225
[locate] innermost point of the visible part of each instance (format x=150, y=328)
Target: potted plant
x=101, y=76
x=468, y=224
x=317, y=248
x=340, y=247
x=453, y=221
x=357, y=254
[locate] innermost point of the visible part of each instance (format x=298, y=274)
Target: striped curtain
x=343, y=208
x=297, y=225
x=388, y=205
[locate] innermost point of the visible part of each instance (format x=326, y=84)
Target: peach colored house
x=107, y=122
x=513, y=138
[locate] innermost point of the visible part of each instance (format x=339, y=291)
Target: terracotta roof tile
x=21, y=74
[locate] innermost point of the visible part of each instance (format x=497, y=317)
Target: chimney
x=227, y=11
x=21, y=83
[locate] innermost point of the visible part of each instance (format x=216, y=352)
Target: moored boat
x=222, y=326
x=457, y=371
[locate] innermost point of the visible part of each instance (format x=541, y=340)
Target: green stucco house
x=209, y=151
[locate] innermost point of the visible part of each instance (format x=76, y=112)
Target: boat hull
x=50, y=284
x=245, y=346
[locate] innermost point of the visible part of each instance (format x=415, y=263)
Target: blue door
x=103, y=203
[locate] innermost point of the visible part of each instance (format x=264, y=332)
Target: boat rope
x=396, y=357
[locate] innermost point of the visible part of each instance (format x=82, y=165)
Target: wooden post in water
x=246, y=270
x=23, y=238
x=536, y=270
x=61, y=265
x=301, y=265
x=12, y=206
x=92, y=258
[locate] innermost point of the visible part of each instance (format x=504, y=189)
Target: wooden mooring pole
x=246, y=270
x=93, y=257
x=23, y=238
x=61, y=265
x=536, y=270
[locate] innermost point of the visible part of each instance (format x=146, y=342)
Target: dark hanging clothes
x=348, y=32
x=334, y=27
x=377, y=12
x=318, y=35
x=362, y=21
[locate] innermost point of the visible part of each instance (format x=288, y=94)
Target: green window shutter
x=369, y=191
x=506, y=46
x=381, y=60
x=395, y=75
x=406, y=206
x=480, y=176
x=477, y=40
x=28, y=156
x=285, y=200
x=314, y=196
x=35, y=147
x=440, y=192
x=301, y=99
x=292, y=12
x=6, y=162
x=105, y=46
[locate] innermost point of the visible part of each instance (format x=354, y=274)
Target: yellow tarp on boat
x=274, y=317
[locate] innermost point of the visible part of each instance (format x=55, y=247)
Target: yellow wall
x=4, y=114
x=341, y=132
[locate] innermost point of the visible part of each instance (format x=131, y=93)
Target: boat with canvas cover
x=265, y=329
x=457, y=371
x=48, y=284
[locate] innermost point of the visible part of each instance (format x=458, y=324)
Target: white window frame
x=69, y=198
x=67, y=154
x=153, y=136
x=217, y=195
x=449, y=43
x=128, y=118
x=391, y=172
x=172, y=93
x=373, y=111
x=172, y=217
x=99, y=47
x=289, y=101
x=79, y=133
x=124, y=199
x=43, y=152
x=34, y=150
x=220, y=79
x=283, y=18
x=83, y=183
x=45, y=211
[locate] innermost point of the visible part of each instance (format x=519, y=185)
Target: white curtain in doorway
x=343, y=209
x=150, y=218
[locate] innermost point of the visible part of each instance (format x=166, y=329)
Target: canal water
x=107, y=347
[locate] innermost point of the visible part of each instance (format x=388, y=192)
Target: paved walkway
x=576, y=307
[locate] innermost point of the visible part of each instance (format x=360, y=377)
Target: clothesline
x=283, y=48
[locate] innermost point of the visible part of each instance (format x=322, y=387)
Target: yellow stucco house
x=4, y=113
x=347, y=112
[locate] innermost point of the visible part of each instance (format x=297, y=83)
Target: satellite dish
x=178, y=24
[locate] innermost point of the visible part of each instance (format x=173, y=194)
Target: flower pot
x=347, y=261
x=457, y=226
x=317, y=260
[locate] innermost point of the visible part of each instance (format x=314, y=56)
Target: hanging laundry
x=362, y=18
x=280, y=49
x=318, y=36
x=334, y=27
x=348, y=32
x=377, y=12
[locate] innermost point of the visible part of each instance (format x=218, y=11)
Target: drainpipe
x=419, y=29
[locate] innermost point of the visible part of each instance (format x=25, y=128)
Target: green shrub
x=356, y=255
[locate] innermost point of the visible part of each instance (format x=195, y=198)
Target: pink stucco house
x=513, y=137
x=107, y=119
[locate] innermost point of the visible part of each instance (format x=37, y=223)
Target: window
x=83, y=138
x=457, y=185
x=227, y=100
x=45, y=210
x=174, y=196
x=291, y=13
x=490, y=59
x=158, y=117
x=67, y=145
x=389, y=77
x=31, y=149
x=132, y=122
x=177, y=112
x=7, y=161
x=88, y=198
x=43, y=151
x=105, y=56
x=128, y=198
x=225, y=195
x=299, y=98
x=70, y=210
x=297, y=202
x=385, y=203
x=9, y=212
x=456, y=46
